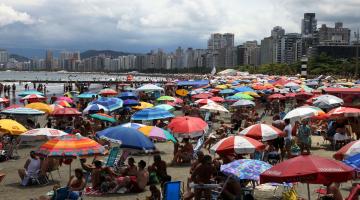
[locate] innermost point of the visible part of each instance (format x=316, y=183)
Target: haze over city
x=139, y=26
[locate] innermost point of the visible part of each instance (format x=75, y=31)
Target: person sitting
x=158, y=171
x=202, y=175
x=155, y=193
x=131, y=169
x=31, y=168
x=76, y=184
x=133, y=184
x=85, y=166
x=100, y=175
x=185, y=153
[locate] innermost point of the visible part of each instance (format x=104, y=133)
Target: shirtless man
x=131, y=169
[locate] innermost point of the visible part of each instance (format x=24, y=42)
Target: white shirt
x=287, y=131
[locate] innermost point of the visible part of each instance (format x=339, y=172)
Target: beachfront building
x=252, y=53
x=337, y=35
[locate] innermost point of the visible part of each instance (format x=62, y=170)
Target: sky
x=141, y=25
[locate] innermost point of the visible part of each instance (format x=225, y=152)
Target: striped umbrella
x=22, y=111
x=238, y=145
x=344, y=112
x=350, y=149
x=67, y=99
x=94, y=108
x=28, y=92
x=55, y=106
x=157, y=133
x=213, y=107
x=65, y=112
x=63, y=103
x=70, y=146
x=40, y=106
x=48, y=132
x=33, y=98
x=11, y=126
x=151, y=114
x=103, y=117
x=262, y=132
x=204, y=101
x=4, y=100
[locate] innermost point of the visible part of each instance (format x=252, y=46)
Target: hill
x=19, y=58
x=110, y=53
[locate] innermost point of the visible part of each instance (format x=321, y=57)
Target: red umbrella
x=262, y=132
x=178, y=101
x=33, y=98
x=217, y=99
x=238, y=145
x=215, y=91
x=4, y=100
x=276, y=96
x=350, y=149
x=202, y=96
x=303, y=94
x=61, y=112
x=308, y=169
x=290, y=95
x=67, y=99
x=187, y=127
x=344, y=112
x=13, y=106
x=107, y=92
x=204, y=101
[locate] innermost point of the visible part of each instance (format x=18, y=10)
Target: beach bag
x=290, y=194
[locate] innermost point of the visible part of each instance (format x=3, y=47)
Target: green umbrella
x=165, y=98
x=165, y=107
x=244, y=96
x=103, y=117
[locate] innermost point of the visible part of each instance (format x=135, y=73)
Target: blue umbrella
x=227, y=91
x=353, y=161
x=86, y=95
x=244, y=89
x=22, y=111
x=151, y=114
x=128, y=138
x=109, y=102
x=27, y=92
x=245, y=169
x=94, y=108
x=132, y=125
x=131, y=102
x=233, y=98
x=127, y=95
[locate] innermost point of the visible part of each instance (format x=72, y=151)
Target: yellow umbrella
x=40, y=106
x=254, y=94
x=143, y=105
x=221, y=87
x=68, y=94
x=182, y=92
x=12, y=127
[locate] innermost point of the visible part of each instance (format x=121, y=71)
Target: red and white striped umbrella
x=33, y=97
x=217, y=99
x=4, y=100
x=237, y=144
x=344, y=112
x=350, y=149
x=262, y=132
x=204, y=101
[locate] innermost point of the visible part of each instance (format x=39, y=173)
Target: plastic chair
x=172, y=190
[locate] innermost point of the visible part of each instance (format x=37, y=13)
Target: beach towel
x=89, y=191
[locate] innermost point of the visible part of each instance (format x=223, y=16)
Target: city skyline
x=140, y=27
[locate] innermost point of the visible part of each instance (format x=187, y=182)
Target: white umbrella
x=213, y=107
x=303, y=112
x=327, y=101
x=150, y=87
x=243, y=103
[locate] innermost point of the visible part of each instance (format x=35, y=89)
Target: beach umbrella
x=143, y=105
x=244, y=89
x=303, y=112
x=4, y=100
x=110, y=103
x=54, y=106
x=165, y=98
x=197, y=91
x=132, y=125
x=127, y=95
x=151, y=114
x=227, y=91
x=70, y=146
x=344, y=112
x=233, y=98
x=107, y=92
x=308, y=169
x=131, y=102
x=202, y=96
x=11, y=126
x=187, y=127
x=276, y=96
x=262, y=132
x=243, y=103
x=290, y=95
x=178, y=101
x=253, y=94
x=165, y=107
x=327, y=101
x=348, y=150
x=13, y=106
x=128, y=138
x=221, y=87
x=237, y=144
x=157, y=133
x=22, y=111
x=63, y=103
x=29, y=92
x=213, y=107
x=94, y=108
x=353, y=161
x=244, y=96
x=40, y=106
x=103, y=117
x=217, y=99
x=292, y=85
x=46, y=132
x=204, y=101
x=245, y=169
x=182, y=92
x=67, y=99
x=65, y=112
x=149, y=88
x=33, y=98
x=86, y=95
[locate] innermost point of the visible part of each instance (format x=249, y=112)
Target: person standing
x=288, y=137
x=304, y=133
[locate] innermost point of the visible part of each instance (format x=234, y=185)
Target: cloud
x=8, y=15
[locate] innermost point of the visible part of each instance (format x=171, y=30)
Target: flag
x=213, y=71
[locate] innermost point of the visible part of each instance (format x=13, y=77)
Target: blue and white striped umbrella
x=22, y=111
x=110, y=103
x=94, y=108
x=151, y=114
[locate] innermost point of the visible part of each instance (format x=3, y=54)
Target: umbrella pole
x=308, y=189
x=69, y=171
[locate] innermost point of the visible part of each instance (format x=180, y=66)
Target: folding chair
x=172, y=190
x=111, y=160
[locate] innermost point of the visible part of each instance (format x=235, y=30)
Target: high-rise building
x=4, y=56
x=216, y=41
x=252, y=53
x=228, y=39
x=277, y=33
x=308, y=24
x=48, y=60
x=267, y=50
x=334, y=36
x=291, y=49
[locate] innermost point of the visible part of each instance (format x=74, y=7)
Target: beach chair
x=172, y=190
x=198, y=146
x=111, y=160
